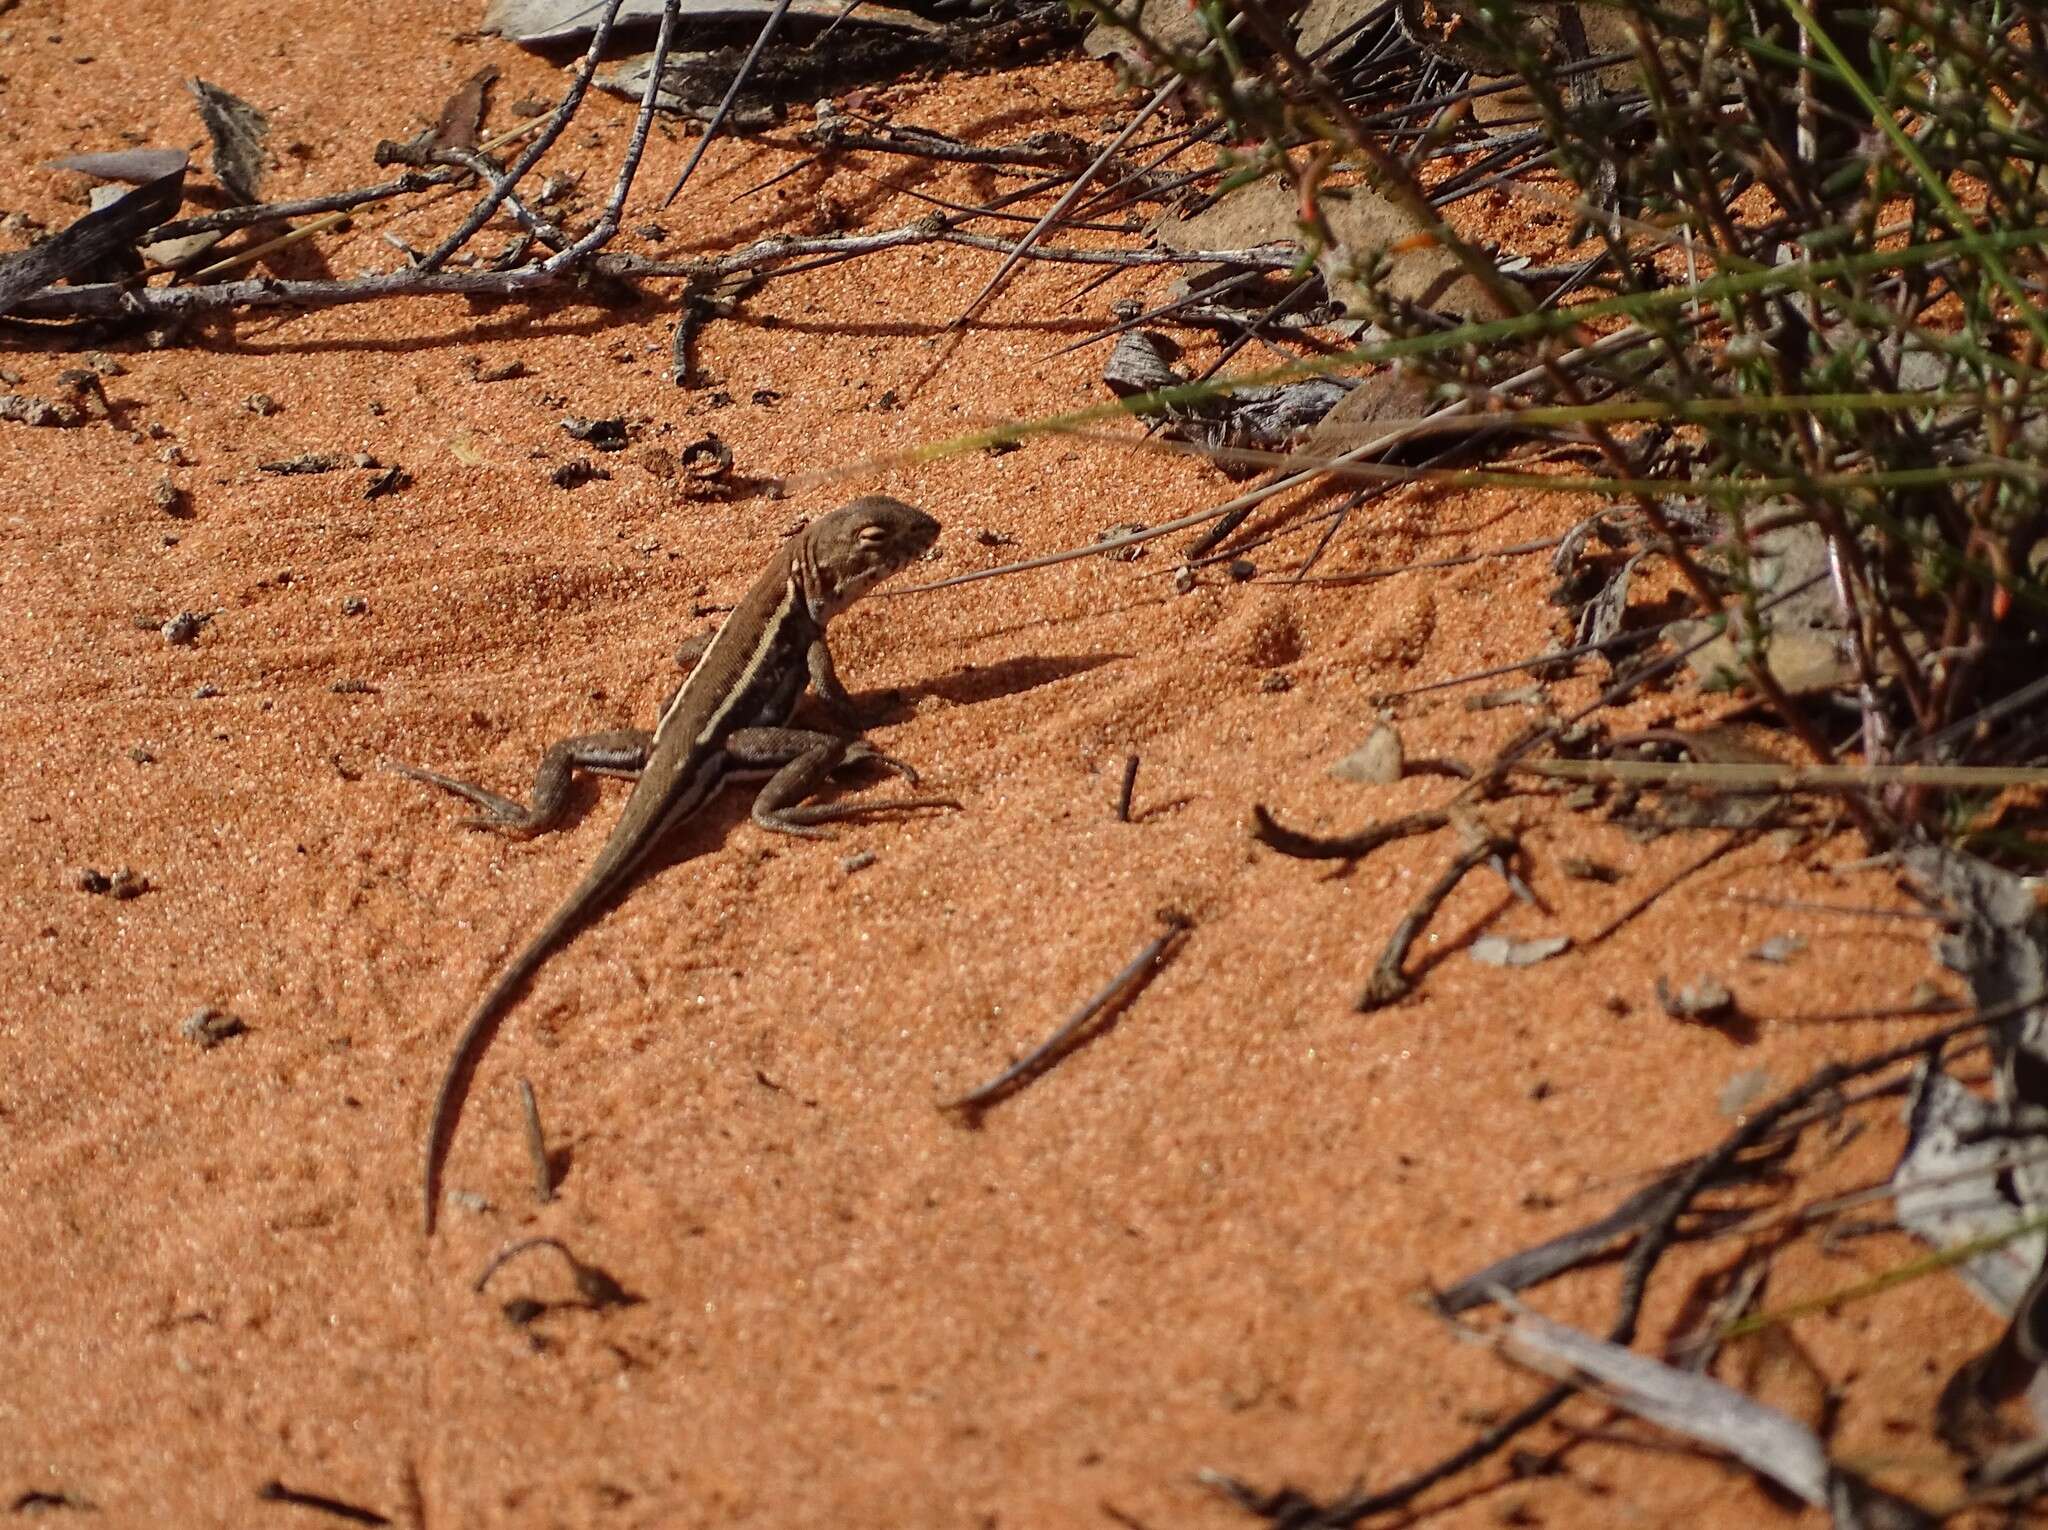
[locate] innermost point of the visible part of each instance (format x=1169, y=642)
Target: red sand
x=1195, y=1244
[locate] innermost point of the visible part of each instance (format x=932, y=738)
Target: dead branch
x=114, y=300
x=1387, y=984
x=1343, y=847
x=1117, y=992
x=1659, y=1231
x=586, y=70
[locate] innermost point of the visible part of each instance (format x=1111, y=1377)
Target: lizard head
x=854, y=548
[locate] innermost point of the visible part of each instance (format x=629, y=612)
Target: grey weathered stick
x=96, y=235
x=1811, y=906
x=1620, y=640
x=831, y=133
x=1386, y=984
x=275, y=1491
x=1729, y=777
x=1621, y=340
x=1130, y=785
x=643, y=123
x=411, y=181
x=732, y=94
x=1118, y=990
x=480, y=214
x=107, y=298
x=231, y=218
x=1388, y=571
x=477, y=165
x=1072, y=194
x=1657, y=1234
x=1697, y=1407
x=506, y=1255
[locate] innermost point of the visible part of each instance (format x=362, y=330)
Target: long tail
x=476, y=1035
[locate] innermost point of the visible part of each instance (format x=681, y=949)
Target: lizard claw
x=864, y=753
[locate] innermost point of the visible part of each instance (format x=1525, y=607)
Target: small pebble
x=506, y=372
x=607, y=434
x=183, y=628
x=354, y=605
x=1706, y=999
x=576, y=473
x=124, y=884
x=1376, y=762
x=23, y=410
x=170, y=499
x=1779, y=948
x=390, y=481
x=1743, y=1091
x=859, y=861
x=1501, y=951
x=210, y=1027
x=262, y=404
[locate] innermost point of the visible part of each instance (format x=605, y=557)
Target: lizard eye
x=873, y=535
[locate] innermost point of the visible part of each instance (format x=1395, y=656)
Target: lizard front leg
x=621, y=752
x=830, y=693
x=802, y=760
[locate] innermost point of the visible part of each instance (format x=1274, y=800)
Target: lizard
x=728, y=720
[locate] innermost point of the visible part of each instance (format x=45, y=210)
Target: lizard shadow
x=972, y=683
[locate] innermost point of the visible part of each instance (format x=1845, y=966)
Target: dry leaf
x=100, y=233
x=1499, y=951
x=237, y=130
x=463, y=114
x=136, y=167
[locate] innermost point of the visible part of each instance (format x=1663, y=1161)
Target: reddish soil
x=1197, y=1243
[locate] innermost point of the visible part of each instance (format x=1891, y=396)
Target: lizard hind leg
x=621, y=752
x=802, y=761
